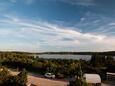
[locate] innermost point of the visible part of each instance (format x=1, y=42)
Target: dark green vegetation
x=99, y=64
x=112, y=53
x=60, y=67
x=78, y=82
x=6, y=79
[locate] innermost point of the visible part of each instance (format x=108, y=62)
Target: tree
x=109, y=60
x=4, y=74
x=20, y=79
x=78, y=82
x=98, y=60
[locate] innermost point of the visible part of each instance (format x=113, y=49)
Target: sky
x=57, y=25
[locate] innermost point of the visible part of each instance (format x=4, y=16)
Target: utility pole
x=81, y=73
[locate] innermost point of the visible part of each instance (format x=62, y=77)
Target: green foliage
x=109, y=60
x=78, y=82
x=60, y=76
x=98, y=60
x=101, y=64
x=59, y=67
x=7, y=80
x=4, y=74
x=20, y=79
x=101, y=60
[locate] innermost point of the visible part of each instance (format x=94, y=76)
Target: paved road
x=108, y=83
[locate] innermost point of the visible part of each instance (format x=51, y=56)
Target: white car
x=50, y=75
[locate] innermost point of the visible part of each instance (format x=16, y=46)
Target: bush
x=20, y=79
x=78, y=82
x=60, y=76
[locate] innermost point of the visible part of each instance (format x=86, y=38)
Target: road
x=39, y=81
x=108, y=83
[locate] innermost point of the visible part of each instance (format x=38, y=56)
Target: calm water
x=58, y=56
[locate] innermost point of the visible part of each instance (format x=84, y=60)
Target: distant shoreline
x=112, y=53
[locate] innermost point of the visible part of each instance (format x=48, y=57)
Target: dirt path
x=42, y=81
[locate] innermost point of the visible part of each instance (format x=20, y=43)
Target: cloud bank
x=34, y=36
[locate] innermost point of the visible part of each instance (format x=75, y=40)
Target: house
x=110, y=76
x=92, y=79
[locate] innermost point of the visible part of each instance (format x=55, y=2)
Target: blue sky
x=57, y=25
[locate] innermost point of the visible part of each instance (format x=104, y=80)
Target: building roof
x=92, y=78
x=108, y=73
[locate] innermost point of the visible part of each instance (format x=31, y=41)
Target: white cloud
x=82, y=19
x=12, y=46
x=29, y=1
x=5, y=32
x=13, y=1
x=80, y=2
x=112, y=24
x=29, y=33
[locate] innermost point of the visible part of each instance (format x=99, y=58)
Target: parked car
x=49, y=75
